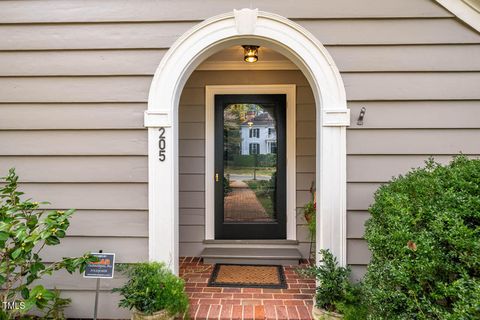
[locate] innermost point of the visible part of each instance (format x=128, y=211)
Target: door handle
x=216, y=177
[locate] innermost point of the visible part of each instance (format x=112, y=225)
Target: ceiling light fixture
x=250, y=53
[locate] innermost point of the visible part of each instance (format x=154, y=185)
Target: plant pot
x=320, y=314
x=308, y=218
x=159, y=315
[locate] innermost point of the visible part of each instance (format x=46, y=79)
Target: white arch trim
x=214, y=34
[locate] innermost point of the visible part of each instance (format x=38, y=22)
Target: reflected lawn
x=262, y=192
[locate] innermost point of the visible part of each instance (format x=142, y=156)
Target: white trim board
x=332, y=116
x=467, y=11
x=210, y=91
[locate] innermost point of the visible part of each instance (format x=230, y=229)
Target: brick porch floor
x=245, y=303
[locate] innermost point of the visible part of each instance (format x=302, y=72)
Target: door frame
x=210, y=91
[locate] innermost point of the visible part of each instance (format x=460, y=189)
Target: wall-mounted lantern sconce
x=361, y=116
x=250, y=53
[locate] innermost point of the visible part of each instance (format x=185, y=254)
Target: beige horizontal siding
x=381, y=168
x=192, y=131
x=91, y=36
x=72, y=142
x=126, y=223
x=412, y=86
x=304, y=180
x=127, y=250
x=306, y=147
x=107, y=305
x=305, y=164
x=72, y=116
x=357, y=252
x=306, y=129
x=192, y=165
x=385, y=114
x=192, y=200
x=145, y=61
x=358, y=271
x=77, y=168
x=359, y=86
x=305, y=101
x=151, y=10
x=192, y=182
x=199, y=79
x=162, y=34
x=80, y=62
x=92, y=196
x=412, y=141
x=75, y=89
x=360, y=195
x=356, y=224
x=406, y=58
x=306, y=109
x=76, y=282
x=416, y=114
x=192, y=148
x=192, y=217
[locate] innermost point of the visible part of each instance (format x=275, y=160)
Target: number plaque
x=161, y=145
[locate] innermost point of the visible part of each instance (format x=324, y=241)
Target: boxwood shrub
x=424, y=235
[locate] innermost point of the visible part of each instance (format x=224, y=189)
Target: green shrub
x=25, y=230
x=424, y=235
x=335, y=292
x=226, y=185
x=152, y=287
x=254, y=160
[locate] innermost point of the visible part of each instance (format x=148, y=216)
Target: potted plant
x=334, y=289
x=152, y=291
x=309, y=213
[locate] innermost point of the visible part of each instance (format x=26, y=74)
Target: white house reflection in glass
x=250, y=163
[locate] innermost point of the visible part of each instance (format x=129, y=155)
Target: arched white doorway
x=161, y=118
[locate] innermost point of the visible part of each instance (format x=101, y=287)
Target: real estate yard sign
x=103, y=268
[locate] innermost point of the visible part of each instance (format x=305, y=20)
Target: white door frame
x=241, y=27
x=210, y=92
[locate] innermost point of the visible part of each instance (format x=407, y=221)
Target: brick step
x=257, y=312
x=280, y=256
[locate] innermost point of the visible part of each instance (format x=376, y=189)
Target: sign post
x=103, y=268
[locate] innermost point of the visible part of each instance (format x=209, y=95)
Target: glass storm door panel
x=250, y=167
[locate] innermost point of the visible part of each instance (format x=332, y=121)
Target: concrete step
x=277, y=256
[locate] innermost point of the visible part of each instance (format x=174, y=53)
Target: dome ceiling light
x=250, y=53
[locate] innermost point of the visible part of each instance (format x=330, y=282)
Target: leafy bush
x=334, y=293
x=309, y=211
x=254, y=160
x=25, y=230
x=424, y=235
x=226, y=185
x=152, y=287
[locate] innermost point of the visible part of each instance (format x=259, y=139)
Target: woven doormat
x=247, y=276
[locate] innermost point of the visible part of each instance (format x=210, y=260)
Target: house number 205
x=161, y=145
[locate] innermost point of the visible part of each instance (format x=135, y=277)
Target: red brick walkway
x=241, y=204
x=245, y=303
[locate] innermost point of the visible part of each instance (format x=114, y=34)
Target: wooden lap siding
x=74, y=83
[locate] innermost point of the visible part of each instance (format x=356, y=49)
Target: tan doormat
x=247, y=276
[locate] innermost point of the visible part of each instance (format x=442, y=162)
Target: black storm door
x=250, y=166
